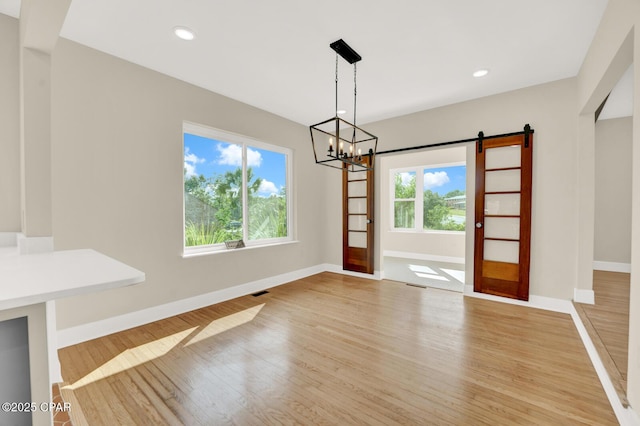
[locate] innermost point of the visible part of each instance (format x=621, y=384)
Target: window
x=234, y=188
x=435, y=202
x=404, y=204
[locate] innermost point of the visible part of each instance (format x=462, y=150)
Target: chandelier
x=336, y=142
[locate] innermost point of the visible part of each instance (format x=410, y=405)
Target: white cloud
x=407, y=178
x=434, y=180
x=254, y=158
x=190, y=169
x=190, y=161
x=267, y=188
x=231, y=155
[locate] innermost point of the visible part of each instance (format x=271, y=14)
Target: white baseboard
x=584, y=296
x=612, y=266
x=632, y=417
x=422, y=256
x=539, y=302
x=330, y=267
x=625, y=416
x=82, y=333
x=78, y=334
x=8, y=239
x=34, y=245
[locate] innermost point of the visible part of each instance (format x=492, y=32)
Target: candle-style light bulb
x=330, y=145
x=341, y=147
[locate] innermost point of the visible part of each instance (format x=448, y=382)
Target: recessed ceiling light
x=184, y=33
x=480, y=73
x=341, y=111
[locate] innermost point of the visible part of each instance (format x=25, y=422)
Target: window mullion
x=392, y=199
x=419, y=207
x=205, y=231
x=288, y=193
x=245, y=196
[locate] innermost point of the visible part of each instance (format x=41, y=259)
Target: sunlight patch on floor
x=456, y=274
x=226, y=323
x=139, y=355
x=131, y=358
x=423, y=273
x=422, y=268
x=431, y=276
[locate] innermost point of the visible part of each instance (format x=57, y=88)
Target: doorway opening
x=424, y=217
x=607, y=320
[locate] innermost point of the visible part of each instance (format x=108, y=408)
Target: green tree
x=227, y=198
x=198, y=200
x=454, y=193
x=213, y=209
x=198, y=187
x=437, y=214
x=405, y=190
x=268, y=216
x=436, y=211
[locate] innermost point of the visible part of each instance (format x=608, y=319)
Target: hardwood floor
x=607, y=322
x=333, y=349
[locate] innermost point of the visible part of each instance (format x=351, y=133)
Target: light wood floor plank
x=607, y=322
x=610, y=314
x=333, y=349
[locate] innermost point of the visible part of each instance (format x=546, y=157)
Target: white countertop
x=35, y=278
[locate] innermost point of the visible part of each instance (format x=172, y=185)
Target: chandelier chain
x=355, y=91
x=336, y=110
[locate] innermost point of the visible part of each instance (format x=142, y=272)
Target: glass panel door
x=503, y=209
x=357, y=221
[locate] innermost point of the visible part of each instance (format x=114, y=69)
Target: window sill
x=219, y=250
x=425, y=231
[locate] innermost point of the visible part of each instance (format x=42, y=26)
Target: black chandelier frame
x=347, y=153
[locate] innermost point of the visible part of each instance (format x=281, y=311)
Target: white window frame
x=244, y=142
x=418, y=200
x=418, y=207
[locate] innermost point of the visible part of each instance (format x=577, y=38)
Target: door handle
x=478, y=225
x=369, y=221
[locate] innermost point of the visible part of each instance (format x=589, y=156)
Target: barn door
x=357, y=220
x=503, y=216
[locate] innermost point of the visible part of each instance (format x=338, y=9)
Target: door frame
x=357, y=259
x=525, y=139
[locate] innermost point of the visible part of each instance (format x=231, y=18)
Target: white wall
x=615, y=46
x=450, y=244
x=9, y=126
x=550, y=109
x=117, y=168
x=612, y=240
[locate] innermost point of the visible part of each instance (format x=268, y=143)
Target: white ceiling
x=275, y=55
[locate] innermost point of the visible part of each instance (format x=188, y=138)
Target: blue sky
x=442, y=180
x=445, y=179
x=209, y=157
